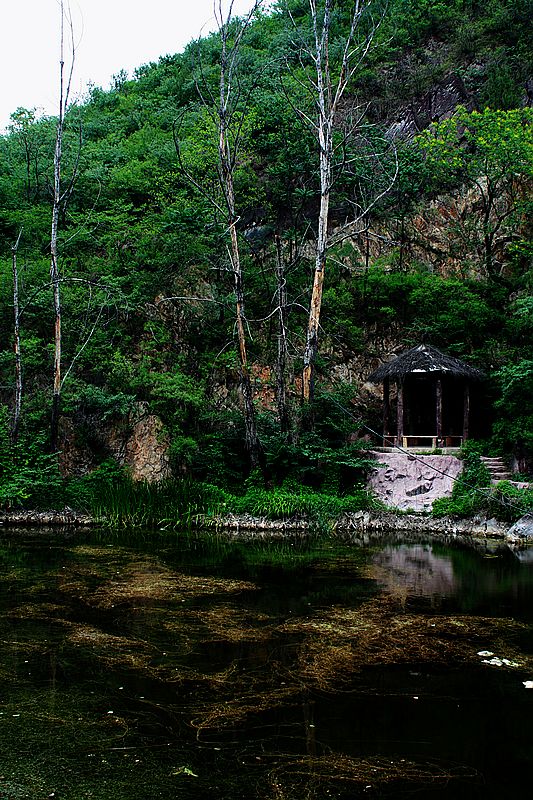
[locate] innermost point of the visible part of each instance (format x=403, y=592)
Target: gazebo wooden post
x=466, y=411
x=386, y=410
x=441, y=374
x=399, y=414
x=438, y=410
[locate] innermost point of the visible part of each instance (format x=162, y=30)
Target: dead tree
x=326, y=85
x=281, y=359
x=16, y=345
x=59, y=198
x=226, y=108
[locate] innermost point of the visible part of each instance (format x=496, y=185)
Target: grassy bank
x=114, y=500
x=185, y=503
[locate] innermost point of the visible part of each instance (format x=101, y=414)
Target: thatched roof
x=424, y=358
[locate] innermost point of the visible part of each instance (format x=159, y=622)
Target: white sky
x=110, y=35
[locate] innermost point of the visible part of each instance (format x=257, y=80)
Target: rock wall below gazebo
x=412, y=482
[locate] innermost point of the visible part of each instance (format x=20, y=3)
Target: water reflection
x=204, y=667
x=415, y=570
x=493, y=582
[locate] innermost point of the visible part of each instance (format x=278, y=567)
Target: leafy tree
x=513, y=431
x=27, y=473
x=491, y=152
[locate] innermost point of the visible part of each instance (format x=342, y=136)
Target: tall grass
x=115, y=500
x=168, y=504
x=285, y=504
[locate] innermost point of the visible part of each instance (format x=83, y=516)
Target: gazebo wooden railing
x=437, y=370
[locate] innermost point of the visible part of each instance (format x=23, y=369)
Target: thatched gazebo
x=433, y=398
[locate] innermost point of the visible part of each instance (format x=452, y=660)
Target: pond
x=197, y=666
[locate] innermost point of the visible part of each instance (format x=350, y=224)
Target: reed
x=285, y=504
x=169, y=504
x=116, y=501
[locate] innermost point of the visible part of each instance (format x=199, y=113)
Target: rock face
x=413, y=482
x=364, y=527
x=147, y=450
x=138, y=442
x=523, y=529
x=436, y=105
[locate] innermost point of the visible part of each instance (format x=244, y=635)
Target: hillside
x=429, y=238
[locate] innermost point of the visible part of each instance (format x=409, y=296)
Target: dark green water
x=180, y=667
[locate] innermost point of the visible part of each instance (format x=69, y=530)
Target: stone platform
x=412, y=481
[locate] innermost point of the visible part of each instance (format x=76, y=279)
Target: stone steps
x=497, y=468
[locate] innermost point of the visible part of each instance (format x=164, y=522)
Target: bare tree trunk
x=227, y=162
x=229, y=117
x=327, y=87
x=55, y=283
x=58, y=198
x=16, y=346
x=281, y=360
x=326, y=112
x=313, y=325
x=251, y=437
x=328, y=92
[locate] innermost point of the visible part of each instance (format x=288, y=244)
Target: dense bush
x=29, y=477
x=470, y=491
x=508, y=502
x=473, y=494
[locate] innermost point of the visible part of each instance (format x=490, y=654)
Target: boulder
x=523, y=529
x=412, y=482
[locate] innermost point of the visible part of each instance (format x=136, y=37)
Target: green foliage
x=460, y=316
x=502, y=90
x=322, y=457
x=509, y=502
x=117, y=501
x=470, y=491
x=219, y=456
x=86, y=493
x=513, y=431
x=137, y=233
x=29, y=478
x=284, y=504
x=96, y=400
x=415, y=20
x=491, y=154
x=494, y=144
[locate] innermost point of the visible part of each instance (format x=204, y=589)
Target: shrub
x=470, y=491
x=29, y=477
x=509, y=503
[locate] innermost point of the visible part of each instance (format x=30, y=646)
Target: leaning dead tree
x=282, y=348
x=226, y=108
x=325, y=80
x=15, y=422
x=59, y=198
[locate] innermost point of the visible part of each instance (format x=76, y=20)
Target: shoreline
x=34, y=519
x=356, y=523
x=365, y=522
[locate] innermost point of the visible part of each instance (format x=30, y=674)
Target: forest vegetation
x=187, y=221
